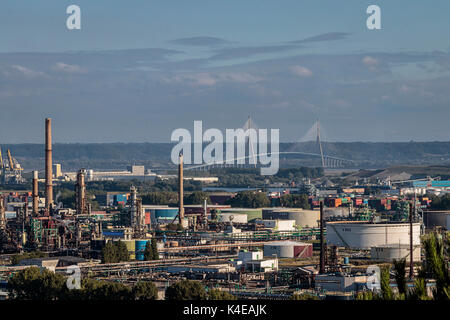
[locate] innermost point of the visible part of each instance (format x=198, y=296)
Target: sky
x=137, y=70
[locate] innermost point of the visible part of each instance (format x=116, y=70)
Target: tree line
x=34, y=283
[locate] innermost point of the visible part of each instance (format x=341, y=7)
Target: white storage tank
x=390, y=252
x=364, y=235
x=303, y=218
x=288, y=249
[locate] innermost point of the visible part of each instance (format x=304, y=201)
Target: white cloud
x=68, y=68
x=371, y=62
x=241, y=77
x=200, y=79
x=301, y=71
x=27, y=71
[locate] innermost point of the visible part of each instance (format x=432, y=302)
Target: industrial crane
x=12, y=170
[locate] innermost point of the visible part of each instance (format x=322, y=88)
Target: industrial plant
x=326, y=248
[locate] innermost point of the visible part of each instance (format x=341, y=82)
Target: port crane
x=11, y=171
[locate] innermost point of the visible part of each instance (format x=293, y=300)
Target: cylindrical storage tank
x=131, y=246
x=363, y=235
x=303, y=218
x=288, y=249
x=140, y=249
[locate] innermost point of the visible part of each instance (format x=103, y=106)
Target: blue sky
x=139, y=69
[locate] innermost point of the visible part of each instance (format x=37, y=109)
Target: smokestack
x=48, y=167
x=35, y=193
x=2, y=213
x=81, y=192
x=180, y=188
x=411, y=249
x=322, y=243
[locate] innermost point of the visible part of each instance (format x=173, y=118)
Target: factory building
x=340, y=282
x=390, y=252
x=363, y=235
x=133, y=172
x=231, y=217
x=278, y=225
x=288, y=249
x=303, y=218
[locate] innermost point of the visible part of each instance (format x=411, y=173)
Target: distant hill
x=157, y=155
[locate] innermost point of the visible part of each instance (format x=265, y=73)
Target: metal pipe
x=180, y=189
x=35, y=193
x=48, y=167
x=322, y=243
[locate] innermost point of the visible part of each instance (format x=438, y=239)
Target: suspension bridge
x=312, y=135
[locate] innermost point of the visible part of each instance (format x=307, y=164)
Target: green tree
x=115, y=251
x=36, y=284
x=420, y=287
x=400, y=275
x=104, y=290
x=216, y=294
x=122, y=251
x=186, y=290
x=249, y=199
x=148, y=252
x=197, y=197
x=435, y=260
x=144, y=290
x=154, y=249
x=294, y=201
x=386, y=289
x=109, y=253
x=366, y=295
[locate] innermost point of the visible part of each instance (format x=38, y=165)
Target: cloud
x=210, y=79
x=30, y=73
x=241, y=77
x=301, y=71
x=67, y=68
x=244, y=52
x=200, y=41
x=370, y=62
x=331, y=36
x=198, y=79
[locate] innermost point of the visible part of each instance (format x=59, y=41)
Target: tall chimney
x=2, y=213
x=180, y=188
x=322, y=243
x=35, y=193
x=81, y=192
x=48, y=166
